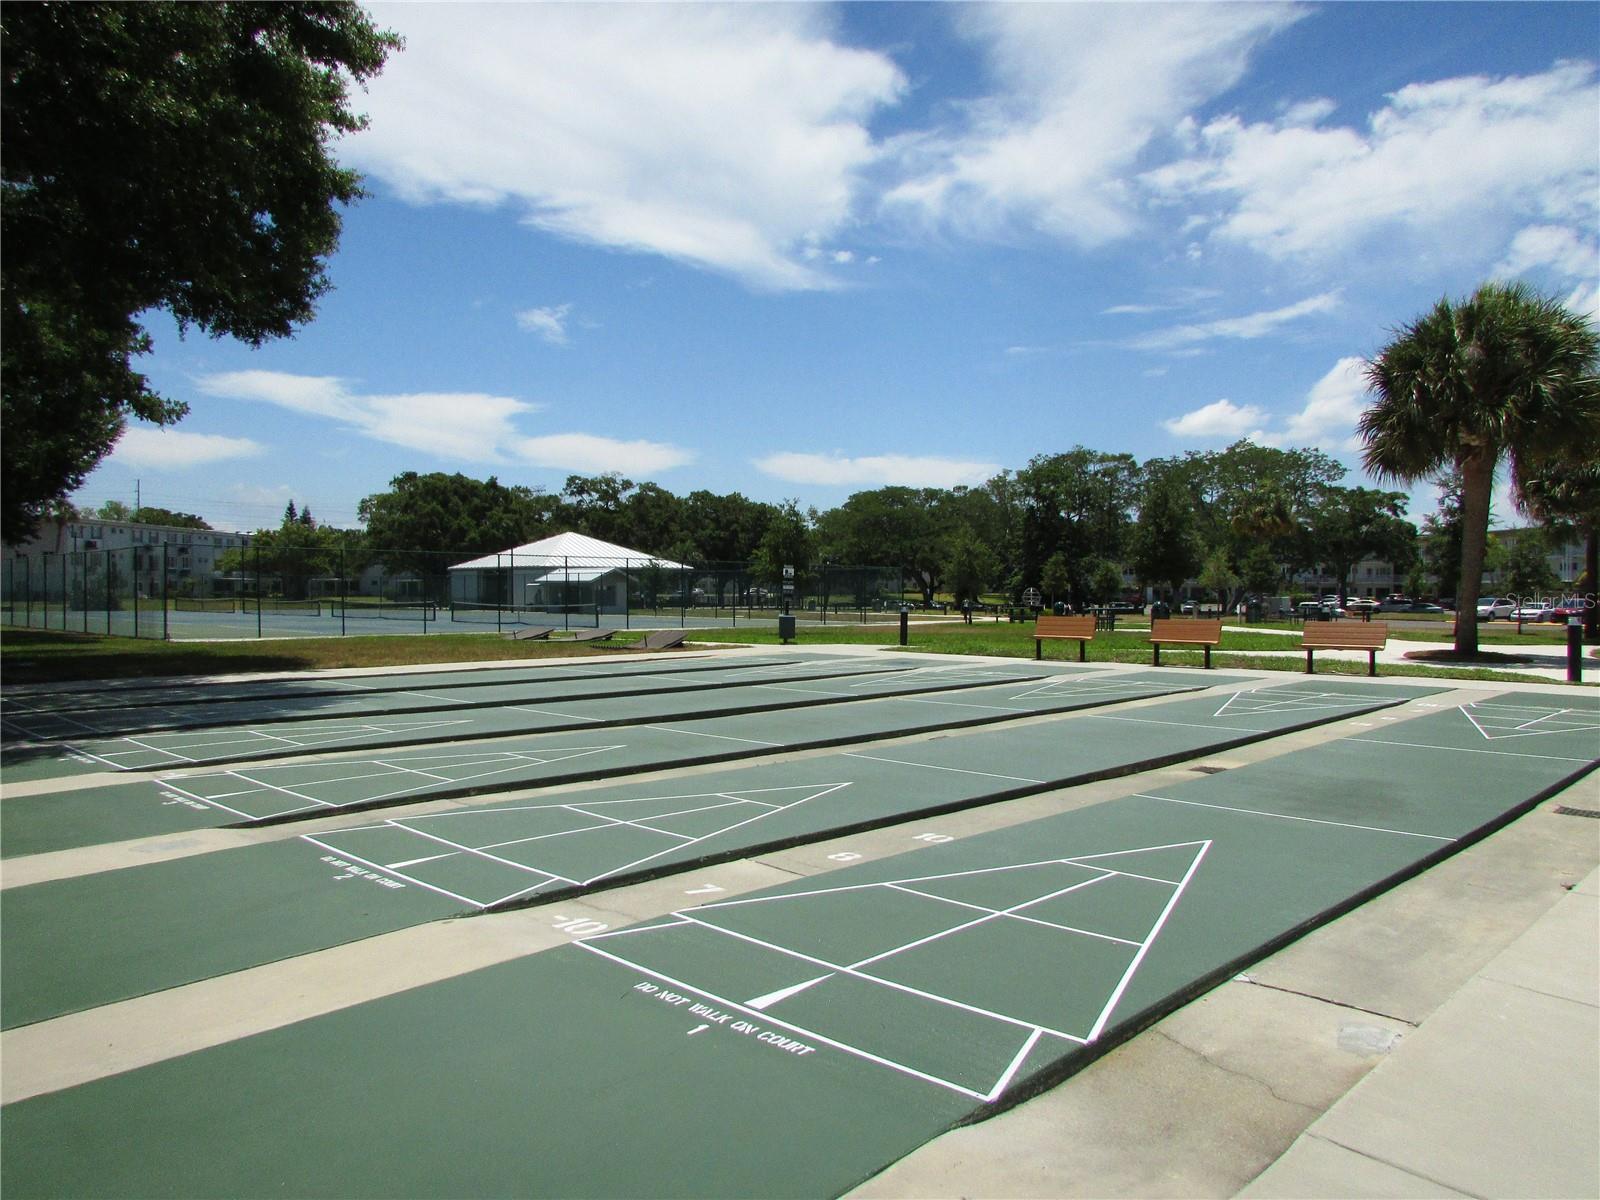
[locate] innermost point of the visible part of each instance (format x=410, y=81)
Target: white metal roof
x=573, y=551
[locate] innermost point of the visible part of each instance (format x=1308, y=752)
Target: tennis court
x=796, y=1040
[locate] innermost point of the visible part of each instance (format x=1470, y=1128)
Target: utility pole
x=137, y=502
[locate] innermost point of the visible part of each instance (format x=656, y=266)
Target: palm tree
x=1507, y=373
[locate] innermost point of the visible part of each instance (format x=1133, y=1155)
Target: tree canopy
x=158, y=156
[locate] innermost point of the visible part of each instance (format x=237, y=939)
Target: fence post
x=166, y=630
x=258, y=587
x=344, y=588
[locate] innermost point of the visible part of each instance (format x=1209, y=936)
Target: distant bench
x=1070, y=629
x=1369, y=636
x=1184, y=631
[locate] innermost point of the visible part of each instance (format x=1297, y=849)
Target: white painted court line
x=899, y=762
x=1256, y=812
x=1036, y=1030
x=1149, y=940
x=1368, y=740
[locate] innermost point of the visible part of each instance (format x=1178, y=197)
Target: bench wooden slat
x=1184, y=631
x=1370, y=636
x=1363, y=636
x=1078, y=629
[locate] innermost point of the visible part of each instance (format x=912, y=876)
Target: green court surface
x=246, y=794
x=783, y=687
x=796, y=1041
x=145, y=928
x=428, y=698
x=109, y=695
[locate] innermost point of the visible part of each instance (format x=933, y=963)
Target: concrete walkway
x=1496, y=1094
x=1542, y=660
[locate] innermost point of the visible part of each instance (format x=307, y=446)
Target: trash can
x=786, y=628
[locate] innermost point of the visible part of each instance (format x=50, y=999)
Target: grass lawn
x=33, y=656
x=38, y=656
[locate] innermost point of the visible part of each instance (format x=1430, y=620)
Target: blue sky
x=797, y=251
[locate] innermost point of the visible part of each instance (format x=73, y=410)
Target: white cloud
x=1245, y=328
x=549, y=323
x=1221, y=419
x=1557, y=247
x=882, y=470
x=1083, y=90
x=1459, y=162
x=1585, y=301
x=582, y=452
x=173, y=449
x=1328, y=419
x=717, y=135
x=470, y=426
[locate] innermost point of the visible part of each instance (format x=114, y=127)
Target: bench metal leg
x=1372, y=663
x=1038, y=649
x=1309, y=671
x=1156, y=649
x=1208, y=657
x=1083, y=650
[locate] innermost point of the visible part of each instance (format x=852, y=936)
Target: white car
x=1490, y=607
x=1539, y=610
x=1358, y=604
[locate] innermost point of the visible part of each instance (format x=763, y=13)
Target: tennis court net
x=562, y=616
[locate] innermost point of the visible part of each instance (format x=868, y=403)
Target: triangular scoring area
x=1498, y=721
x=265, y=790
x=1287, y=700
x=953, y=978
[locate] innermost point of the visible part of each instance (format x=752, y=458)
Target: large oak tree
x=157, y=156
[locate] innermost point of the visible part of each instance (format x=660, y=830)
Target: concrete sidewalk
x=1496, y=1094
x=1543, y=661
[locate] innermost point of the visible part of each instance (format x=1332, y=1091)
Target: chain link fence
x=151, y=592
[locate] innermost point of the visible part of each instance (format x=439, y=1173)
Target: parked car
x=1319, y=610
x=1422, y=606
x=1572, y=606
x=1490, y=607
x=1536, y=610
x=1361, y=604
x=1189, y=609
x=1394, y=604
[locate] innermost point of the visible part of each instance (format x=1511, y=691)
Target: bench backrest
x=1191, y=631
x=1365, y=635
x=1064, y=627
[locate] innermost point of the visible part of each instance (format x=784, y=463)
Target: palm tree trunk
x=1476, y=464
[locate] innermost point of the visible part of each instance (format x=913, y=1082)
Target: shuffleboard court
x=267, y=793
x=798, y=1040
x=785, y=686
x=76, y=714
x=599, y=686
x=145, y=928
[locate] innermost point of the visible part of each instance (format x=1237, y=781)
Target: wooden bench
x=1368, y=635
x=1184, y=631
x=1078, y=629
